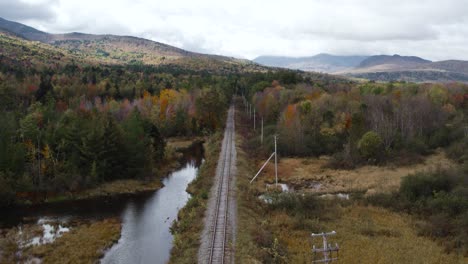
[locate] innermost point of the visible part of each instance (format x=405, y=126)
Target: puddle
x=266, y=198
x=50, y=232
x=343, y=196
x=284, y=187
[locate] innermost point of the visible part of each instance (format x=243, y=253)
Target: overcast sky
x=433, y=29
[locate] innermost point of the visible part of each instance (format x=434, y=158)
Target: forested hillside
x=112, y=50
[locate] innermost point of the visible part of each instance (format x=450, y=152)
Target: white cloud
x=245, y=28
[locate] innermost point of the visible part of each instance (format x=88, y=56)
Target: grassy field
x=312, y=175
x=189, y=226
x=365, y=235
x=280, y=232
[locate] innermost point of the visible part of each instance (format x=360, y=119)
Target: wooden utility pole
x=261, y=135
x=254, y=119
x=276, y=163
x=327, y=249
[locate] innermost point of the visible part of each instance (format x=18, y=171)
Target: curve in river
x=146, y=236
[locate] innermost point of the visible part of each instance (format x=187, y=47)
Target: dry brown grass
x=311, y=175
x=182, y=142
x=83, y=244
x=365, y=235
x=121, y=187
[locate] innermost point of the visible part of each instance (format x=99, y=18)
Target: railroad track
x=218, y=250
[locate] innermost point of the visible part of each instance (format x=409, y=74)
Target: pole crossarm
x=327, y=249
x=324, y=234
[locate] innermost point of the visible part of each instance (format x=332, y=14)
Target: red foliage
x=61, y=106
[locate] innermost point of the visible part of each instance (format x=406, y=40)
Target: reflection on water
x=146, y=237
x=146, y=218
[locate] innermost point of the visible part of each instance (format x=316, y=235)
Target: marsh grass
x=301, y=173
x=280, y=232
x=84, y=243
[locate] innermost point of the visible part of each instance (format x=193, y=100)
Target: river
x=146, y=218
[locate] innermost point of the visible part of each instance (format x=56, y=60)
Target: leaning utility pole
x=327, y=249
x=266, y=162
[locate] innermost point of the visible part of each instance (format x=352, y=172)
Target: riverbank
x=189, y=225
x=82, y=226
x=174, y=152
x=49, y=242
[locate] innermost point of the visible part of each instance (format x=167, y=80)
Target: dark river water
x=146, y=218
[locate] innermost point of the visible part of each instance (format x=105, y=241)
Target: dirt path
x=218, y=236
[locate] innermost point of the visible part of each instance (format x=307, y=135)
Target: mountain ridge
x=395, y=59
x=115, y=49
x=378, y=67
x=322, y=62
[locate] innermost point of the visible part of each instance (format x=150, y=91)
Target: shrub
x=440, y=198
x=459, y=151
x=423, y=185
x=299, y=205
x=439, y=138
x=370, y=145
x=452, y=203
x=417, y=145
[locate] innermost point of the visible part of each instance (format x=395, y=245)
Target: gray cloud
x=19, y=10
x=245, y=28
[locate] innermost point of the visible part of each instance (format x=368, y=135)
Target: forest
x=76, y=126
x=364, y=123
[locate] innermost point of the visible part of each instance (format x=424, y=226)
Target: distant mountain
x=399, y=61
x=23, y=31
x=409, y=68
x=319, y=63
x=114, y=49
x=378, y=67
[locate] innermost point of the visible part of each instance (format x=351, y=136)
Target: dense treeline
x=69, y=127
x=364, y=123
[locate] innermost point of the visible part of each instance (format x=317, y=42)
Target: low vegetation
x=314, y=175
x=84, y=244
x=278, y=230
x=440, y=198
